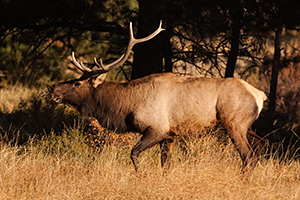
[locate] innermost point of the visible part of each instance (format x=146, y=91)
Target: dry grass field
x=10, y=97
x=64, y=167
x=67, y=166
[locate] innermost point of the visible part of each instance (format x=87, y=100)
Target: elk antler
x=105, y=68
x=80, y=65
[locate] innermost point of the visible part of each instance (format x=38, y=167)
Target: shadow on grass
x=283, y=136
x=34, y=118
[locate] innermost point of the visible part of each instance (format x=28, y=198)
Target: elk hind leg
x=257, y=144
x=166, y=147
x=240, y=141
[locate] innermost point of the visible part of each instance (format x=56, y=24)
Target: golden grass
x=11, y=96
x=63, y=167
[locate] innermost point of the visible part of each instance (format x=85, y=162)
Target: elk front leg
x=166, y=147
x=149, y=139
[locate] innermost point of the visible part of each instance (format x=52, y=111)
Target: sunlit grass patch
x=66, y=166
x=12, y=95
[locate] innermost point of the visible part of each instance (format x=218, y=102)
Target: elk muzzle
x=57, y=98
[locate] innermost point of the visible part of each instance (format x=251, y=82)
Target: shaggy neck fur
x=110, y=103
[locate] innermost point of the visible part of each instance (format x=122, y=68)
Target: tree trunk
x=155, y=55
x=274, y=78
x=148, y=56
x=234, y=41
x=167, y=17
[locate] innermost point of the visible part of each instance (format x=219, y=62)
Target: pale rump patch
x=259, y=95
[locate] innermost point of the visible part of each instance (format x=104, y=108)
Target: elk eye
x=77, y=84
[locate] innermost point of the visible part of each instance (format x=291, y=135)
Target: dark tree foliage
x=278, y=15
x=30, y=28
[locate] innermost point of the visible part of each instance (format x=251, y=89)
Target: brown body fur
x=156, y=104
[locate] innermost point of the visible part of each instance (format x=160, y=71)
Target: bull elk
x=155, y=104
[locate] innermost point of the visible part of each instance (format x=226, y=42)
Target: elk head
x=77, y=91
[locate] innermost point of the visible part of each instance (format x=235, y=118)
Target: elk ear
x=95, y=81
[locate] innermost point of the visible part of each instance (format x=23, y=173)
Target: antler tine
x=74, y=61
x=110, y=66
x=100, y=65
x=80, y=65
x=132, y=42
x=149, y=37
x=119, y=61
x=85, y=67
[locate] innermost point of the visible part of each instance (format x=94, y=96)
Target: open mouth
x=57, y=99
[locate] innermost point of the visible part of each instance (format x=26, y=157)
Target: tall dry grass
x=12, y=95
x=26, y=113
x=66, y=167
